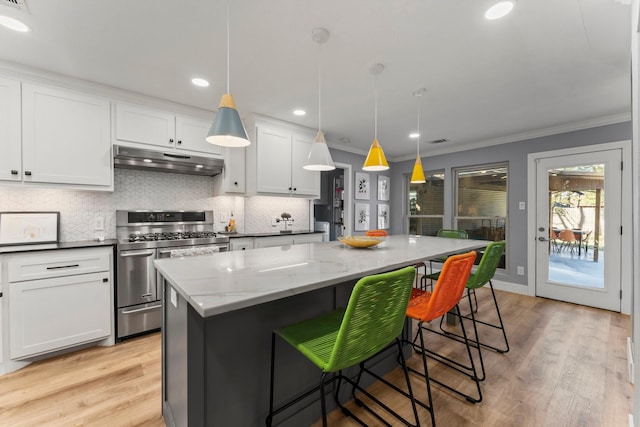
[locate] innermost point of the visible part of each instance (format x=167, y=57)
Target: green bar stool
x=449, y=234
x=372, y=321
x=483, y=275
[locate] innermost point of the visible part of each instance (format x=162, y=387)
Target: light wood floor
x=566, y=367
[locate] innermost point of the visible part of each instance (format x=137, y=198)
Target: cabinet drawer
x=48, y=264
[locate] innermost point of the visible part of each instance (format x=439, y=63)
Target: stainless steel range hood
x=159, y=161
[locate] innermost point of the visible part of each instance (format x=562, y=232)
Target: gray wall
x=515, y=154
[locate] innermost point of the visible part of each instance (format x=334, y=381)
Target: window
x=426, y=205
x=481, y=202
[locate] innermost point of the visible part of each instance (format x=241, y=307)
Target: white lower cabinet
x=287, y=239
x=69, y=304
x=241, y=243
x=51, y=314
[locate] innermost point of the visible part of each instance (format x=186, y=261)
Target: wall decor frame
x=27, y=228
x=383, y=216
x=384, y=187
x=363, y=185
x=362, y=217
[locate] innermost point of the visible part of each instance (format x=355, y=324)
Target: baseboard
x=510, y=287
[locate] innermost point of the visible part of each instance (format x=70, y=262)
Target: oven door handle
x=129, y=254
x=139, y=310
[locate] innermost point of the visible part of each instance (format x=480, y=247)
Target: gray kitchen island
x=219, y=311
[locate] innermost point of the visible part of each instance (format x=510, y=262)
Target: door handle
x=136, y=254
x=542, y=239
x=138, y=310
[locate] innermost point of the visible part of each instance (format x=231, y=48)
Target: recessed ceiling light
x=199, y=166
x=200, y=82
x=414, y=135
x=147, y=160
x=499, y=10
x=299, y=112
x=13, y=24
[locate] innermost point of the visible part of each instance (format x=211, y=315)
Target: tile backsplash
x=152, y=190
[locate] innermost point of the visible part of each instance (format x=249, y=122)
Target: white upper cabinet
x=232, y=179
x=276, y=157
x=10, y=144
x=65, y=138
x=168, y=131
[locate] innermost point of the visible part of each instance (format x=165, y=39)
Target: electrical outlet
x=521, y=206
x=224, y=217
x=274, y=220
x=520, y=270
x=98, y=223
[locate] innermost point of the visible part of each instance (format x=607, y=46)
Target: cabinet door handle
x=146, y=295
x=295, y=189
x=170, y=140
x=235, y=183
x=14, y=172
x=105, y=280
x=64, y=266
x=27, y=173
x=179, y=142
x=289, y=188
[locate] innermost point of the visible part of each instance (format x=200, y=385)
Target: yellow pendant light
x=319, y=157
x=417, y=176
x=376, y=161
x=227, y=129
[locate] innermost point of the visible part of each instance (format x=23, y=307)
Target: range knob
x=151, y=217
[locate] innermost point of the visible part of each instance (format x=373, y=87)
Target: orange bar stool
x=425, y=306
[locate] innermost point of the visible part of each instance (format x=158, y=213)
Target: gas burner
x=170, y=235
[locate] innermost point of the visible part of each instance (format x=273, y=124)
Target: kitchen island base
x=216, y=369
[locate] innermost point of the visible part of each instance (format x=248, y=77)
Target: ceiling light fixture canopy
x=227, y=129
x=499, y=10
x=319, y=157
x=376, y=161
x=417, y=176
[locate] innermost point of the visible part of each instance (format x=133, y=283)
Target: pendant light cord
x=418, y=143
x=228, y=91
x=375, y=108
x=319, y=87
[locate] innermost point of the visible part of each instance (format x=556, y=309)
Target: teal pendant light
x=227, y=129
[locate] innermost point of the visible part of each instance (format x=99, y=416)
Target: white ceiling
x=550, y=65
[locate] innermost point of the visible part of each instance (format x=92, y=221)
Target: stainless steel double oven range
x=145, y=235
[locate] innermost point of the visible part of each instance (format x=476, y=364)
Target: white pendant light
x=319, y=156
x=376, y=161
x=227, y=129
x=417, y=176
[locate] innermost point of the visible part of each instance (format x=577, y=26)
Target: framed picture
x=362, y=217
x=383, y=188
x=383, y=216
x=24, y=228
x=362, y=186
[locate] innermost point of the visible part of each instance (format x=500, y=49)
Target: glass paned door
x=578, y=228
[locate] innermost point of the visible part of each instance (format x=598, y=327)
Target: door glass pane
x=576, y=221
x=426, y=205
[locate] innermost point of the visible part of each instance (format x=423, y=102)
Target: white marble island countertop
x=228, y=281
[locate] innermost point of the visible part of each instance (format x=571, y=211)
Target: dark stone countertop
x=56, y=246
x=237, y=235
